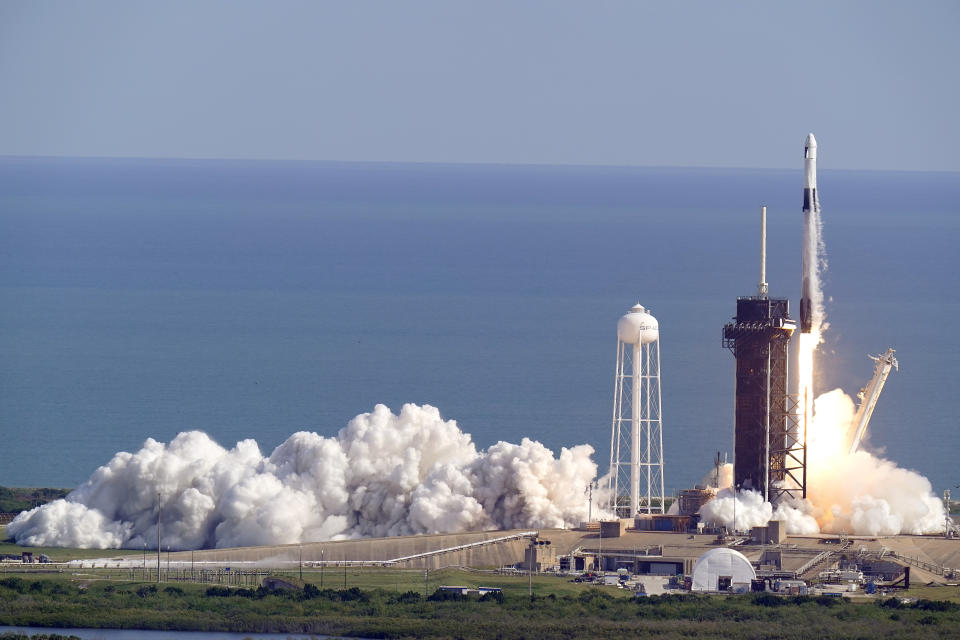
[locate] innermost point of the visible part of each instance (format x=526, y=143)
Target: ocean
x=141, y=298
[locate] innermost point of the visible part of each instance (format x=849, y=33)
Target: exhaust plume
x=382, y=475
x=856, y=493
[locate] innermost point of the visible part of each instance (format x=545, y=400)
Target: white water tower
x=636, y=441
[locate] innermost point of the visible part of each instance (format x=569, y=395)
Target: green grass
x=401, y=580
x=391, y=605
x=561, y=609
x=14, y=499
x=947, y=594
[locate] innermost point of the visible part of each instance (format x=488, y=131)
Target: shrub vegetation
x=594, y=612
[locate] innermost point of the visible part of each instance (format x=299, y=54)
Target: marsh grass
x=587, y=612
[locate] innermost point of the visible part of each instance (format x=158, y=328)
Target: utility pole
x=532, y=561
x=735, y=490
x=589, y=493
x=600, y=555
x=530, y=553
x=948, y=524
x=301, y=563
x=323, y=563
x=159, y=524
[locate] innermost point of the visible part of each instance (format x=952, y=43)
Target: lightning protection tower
x=636, y=441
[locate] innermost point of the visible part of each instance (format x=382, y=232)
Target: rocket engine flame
x=807, y=344
x=855, y=493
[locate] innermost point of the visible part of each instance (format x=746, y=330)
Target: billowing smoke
x=857, y=493
x=382, y=475
x=860, y=492
x=751, y=510
x=854, y=493
x=720, y=477
x=816, y=266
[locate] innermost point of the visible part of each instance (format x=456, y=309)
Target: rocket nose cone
x=810, y=141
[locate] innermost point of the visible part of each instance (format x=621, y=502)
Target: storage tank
x=636, y=440
x=638, y=326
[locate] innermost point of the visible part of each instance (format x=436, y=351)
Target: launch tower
x=769, y=450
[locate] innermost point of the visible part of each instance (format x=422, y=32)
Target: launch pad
x=770, y=451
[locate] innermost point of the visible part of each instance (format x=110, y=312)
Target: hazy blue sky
x=665, y=83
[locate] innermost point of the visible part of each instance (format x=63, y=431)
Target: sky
x=694, y=83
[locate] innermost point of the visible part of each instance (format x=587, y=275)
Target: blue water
x=142, y=298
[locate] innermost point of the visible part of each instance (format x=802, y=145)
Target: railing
x=655, y=551
x=920, y=564
x=462, y=547
x=814, y=561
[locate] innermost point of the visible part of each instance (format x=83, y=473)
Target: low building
x=666, y=523
x=774, y=532
x=539, y=557
x=469, y=591
x=462, y=590
x=613, y=528
x=791, y=587
x=690, y=500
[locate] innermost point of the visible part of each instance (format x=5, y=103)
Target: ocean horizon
x=253, y=299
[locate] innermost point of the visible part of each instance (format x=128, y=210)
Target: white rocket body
x=811, y=205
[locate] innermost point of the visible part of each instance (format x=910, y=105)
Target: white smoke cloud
x=382, y=475
x=719, y=477
x=867, y=495
x=748, y=507
x=798, y=516
x=860, y=493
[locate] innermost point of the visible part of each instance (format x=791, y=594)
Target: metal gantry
x=769, y=433
x=869, y=395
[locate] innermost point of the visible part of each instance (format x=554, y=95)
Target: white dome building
x=719, y=569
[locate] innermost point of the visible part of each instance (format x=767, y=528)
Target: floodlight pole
x=533, y=546
x=159, y=524
x=734, y=510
